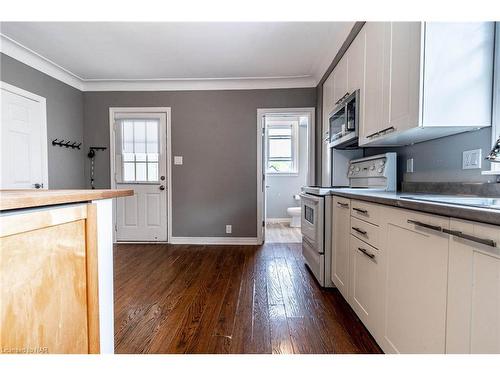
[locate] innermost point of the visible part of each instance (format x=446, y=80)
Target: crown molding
x=31, y=58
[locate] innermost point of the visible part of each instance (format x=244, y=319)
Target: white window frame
x=495, y=128
x=294, y=137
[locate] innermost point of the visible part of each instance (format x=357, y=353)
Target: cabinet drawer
x=366, y=211
x=365, y=231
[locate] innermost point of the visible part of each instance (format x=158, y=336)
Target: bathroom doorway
x=286, y=167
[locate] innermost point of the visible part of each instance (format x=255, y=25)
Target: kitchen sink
x=491, y=203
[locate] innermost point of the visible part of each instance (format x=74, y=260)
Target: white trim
x=309, y=111
x=43, y=104
x=168, y=112
x=33, y=59
x=278, y=220
x=29, y=57
x=215, y=240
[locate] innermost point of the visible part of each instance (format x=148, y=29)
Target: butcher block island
x=56, y=271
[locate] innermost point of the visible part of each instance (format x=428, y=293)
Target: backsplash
x=440, y=160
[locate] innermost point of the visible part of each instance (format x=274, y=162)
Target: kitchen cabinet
x=340, y=244
x=356, y=63
x=473, y=314
x=414, y=282
x=419, y=86
x=364, y=274
x=340, y=80
x=371, y=115
x=49, y=283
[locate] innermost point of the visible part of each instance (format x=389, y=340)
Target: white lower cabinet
x=363, y=284
x=420, y=283
x=473, y=318
x=340, y=244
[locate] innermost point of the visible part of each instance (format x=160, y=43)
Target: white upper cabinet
x=340, y=80
x=426, y=80
x=473, y=313
x=371, y=111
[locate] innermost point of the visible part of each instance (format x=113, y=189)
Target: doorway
x=140, y=160
x=285, y=165
x=23, y=139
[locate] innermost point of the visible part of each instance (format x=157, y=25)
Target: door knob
x=162, y=187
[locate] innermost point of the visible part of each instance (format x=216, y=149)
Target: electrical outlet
x=229, y=229
x=471, y=159
x=409, y=165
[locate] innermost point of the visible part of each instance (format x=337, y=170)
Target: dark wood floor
x=228, y=299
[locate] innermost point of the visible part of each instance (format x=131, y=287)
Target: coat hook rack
x=67, y=144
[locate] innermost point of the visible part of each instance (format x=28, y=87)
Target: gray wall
x=215, y=132
x=282, y=188
x=440, y=160
x=64, y=120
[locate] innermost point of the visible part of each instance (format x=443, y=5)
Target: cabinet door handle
x=390, y=129
x=360, y=210
x=423, y=225
x=343, y=205
x=364, y=251
x=469, y=237
x=376, y=134
x=363, y=232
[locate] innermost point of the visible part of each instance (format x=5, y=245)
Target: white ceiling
x=106, y=52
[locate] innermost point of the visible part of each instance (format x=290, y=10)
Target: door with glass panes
x=140, y=164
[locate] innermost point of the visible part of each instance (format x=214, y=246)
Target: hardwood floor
x=228, y=299
x=282, y=233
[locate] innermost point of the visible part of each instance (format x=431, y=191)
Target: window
x=140, y=150
x=495, y=167
x=282, y=146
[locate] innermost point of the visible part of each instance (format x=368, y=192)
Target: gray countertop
x=418, y=202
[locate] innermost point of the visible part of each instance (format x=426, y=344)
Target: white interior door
x=141, y=165
x=23, y=139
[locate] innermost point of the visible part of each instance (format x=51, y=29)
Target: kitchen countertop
x=14, y=199
x=415, y=202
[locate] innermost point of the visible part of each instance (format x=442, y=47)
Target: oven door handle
x=310, y=197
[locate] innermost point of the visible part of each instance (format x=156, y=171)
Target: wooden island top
x=14, y=199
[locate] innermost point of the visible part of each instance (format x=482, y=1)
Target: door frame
x=261, y=196
x=43, y=110
x=168, y=112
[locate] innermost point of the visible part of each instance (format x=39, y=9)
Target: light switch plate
x=409, y=165
x=229, y=229
x=471, y=159
x=177, y=160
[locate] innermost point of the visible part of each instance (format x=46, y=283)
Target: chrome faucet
x=494, y=155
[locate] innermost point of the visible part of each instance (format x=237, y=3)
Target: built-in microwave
x=344, y=121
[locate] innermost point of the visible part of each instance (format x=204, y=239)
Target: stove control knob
x=352, y=167
x=382, y=163
x=356, y=169
x=372, y=167
x=380, y=170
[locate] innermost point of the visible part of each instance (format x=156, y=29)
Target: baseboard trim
x=276, y=220
x=214, y=240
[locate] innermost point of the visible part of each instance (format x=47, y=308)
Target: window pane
x=128, y=157
x=152, y=136
x=152, y=171
x=140, y=136
x=286, y=131
x=152, y=157
x=128, y=172
x=140, y=157
x=128, y=136
x=280, y=148
x=280, y=167
x=140, y=170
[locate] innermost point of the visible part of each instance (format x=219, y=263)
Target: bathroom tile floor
x=282, y=233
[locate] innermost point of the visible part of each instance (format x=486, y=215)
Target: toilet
x=294, y=212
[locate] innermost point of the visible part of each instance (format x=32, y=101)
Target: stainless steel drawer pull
x=469, y=237
x=343, y=205
x=360, y=210
x=364, y=251
x=423, y=225
x=359, y=230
